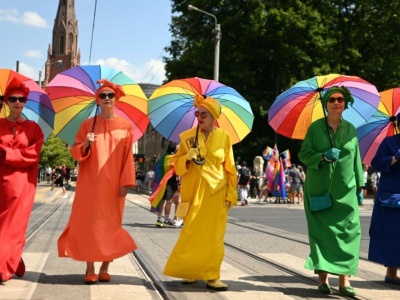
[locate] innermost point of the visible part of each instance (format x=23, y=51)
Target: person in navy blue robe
x=384, y=247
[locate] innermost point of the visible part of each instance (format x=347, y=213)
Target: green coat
x=334, y=233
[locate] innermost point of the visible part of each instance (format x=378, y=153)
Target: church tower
x=63, y=53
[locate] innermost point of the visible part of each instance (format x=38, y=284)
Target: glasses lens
x=104, y=95
x=338, y=99
x=13, y=99
x=202, y=114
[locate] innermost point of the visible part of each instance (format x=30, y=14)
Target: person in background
x=48, y=171
x=365, y=174
x=20, y=145
x=212, y=189
x=303, y=179
x=162, y=166
x=103, y=148
x=139, y=179
x=244, y=175
x=58, y=179
x=150, y=178
x=255, y=183
x=333, y=167
x=384, y=246
x=374, y=182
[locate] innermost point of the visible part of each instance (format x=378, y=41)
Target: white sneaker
x=178, y=223
x=48, y=193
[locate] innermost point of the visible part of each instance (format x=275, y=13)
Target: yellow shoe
x=188, y=281
x=217, y=285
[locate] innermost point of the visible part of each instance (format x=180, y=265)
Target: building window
x=163, y=143
x=70, y=41
x=61, y=50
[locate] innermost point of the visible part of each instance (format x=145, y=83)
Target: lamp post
x=217, y=37
x=59, y=64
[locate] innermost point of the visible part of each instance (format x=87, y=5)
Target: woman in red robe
x=20, y=144
x=94, y=231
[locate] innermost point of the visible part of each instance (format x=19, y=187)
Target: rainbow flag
x=279, y=188
x=162, y=170
x=267, y=153
x=285, y=154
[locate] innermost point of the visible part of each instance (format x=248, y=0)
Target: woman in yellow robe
x=211, y=189
x=94, y=231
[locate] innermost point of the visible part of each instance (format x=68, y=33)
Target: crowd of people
x=200, y=178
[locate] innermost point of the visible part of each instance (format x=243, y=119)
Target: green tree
x=55, y=152
x=267, y=46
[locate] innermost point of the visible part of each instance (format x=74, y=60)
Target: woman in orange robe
x=20, y=144
x=94, y=232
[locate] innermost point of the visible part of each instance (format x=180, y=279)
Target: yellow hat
x=210, y=103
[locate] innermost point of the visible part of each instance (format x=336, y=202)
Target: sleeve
x=358, y=169
x=230, y=168
x=128, y=169
x=79, y=139
x=28, y=156
x=308, y=155
x=383, y=158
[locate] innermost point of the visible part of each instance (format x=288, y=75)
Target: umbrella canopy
x=380, y=125
x=37, y=108
x=171, y=109
x=72, y=93
x=295, y=109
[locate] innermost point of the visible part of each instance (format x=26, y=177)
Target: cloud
x=28, y=18
x=33, y=53
x=151, y=72
x=28, y=71
x=33, y=19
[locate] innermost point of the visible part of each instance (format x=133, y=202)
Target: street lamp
x=59, y=63
x=217, y=37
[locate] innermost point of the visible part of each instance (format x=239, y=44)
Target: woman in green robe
x=334, y=168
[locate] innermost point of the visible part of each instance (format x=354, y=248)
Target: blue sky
x=129, y=35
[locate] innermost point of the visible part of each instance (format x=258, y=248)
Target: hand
x=192, y=154
x=123, y=190
x=360, y=197
x=397, y=155
x=332, y=154
x=229, y=204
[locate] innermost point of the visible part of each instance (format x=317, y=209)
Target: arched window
x=163, y=143
x=70, y=41
x=62, y=44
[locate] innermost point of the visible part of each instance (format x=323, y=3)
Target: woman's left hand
x=229, y=204
x=123, y=191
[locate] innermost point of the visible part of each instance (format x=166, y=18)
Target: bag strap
x=334, y=167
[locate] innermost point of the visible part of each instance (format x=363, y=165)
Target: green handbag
x=320, y=202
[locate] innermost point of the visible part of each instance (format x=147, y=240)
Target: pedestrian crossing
x=364, y=288
x=43, y=282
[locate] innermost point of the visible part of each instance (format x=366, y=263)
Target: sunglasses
x=108, y=95
x=338, y=99
x=13, y=99
x=202, y=114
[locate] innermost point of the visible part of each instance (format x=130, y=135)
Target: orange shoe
x=104, y=277
x=20, y=269
x=91, y=278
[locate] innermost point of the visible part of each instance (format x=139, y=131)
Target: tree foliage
x=55, y=152
x=267, y=46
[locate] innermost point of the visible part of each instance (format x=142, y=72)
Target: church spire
x=64, y=45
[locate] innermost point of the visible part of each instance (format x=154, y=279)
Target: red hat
x=16, y=86
x=108, y=85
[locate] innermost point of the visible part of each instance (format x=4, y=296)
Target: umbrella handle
x=94, y=123
x=199, y=160
x=326, y=122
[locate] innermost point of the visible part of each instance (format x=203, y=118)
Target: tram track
x=46, y=212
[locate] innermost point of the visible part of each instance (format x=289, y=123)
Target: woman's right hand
x=89, y=139
x=192, y=154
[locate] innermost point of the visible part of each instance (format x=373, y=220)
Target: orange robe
x=94, y=231
x=19, y=160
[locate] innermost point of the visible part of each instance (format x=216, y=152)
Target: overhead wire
x=91, y=40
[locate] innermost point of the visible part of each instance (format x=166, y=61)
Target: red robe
x=19, y=160
x=94, y=231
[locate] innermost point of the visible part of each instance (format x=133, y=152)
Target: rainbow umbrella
x=380, y=125
x=72, y=93
x=295, y=109
x=171, y=109
x=38, y=107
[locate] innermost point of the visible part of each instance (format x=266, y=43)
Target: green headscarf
x=337, y=89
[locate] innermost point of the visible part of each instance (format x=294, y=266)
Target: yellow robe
x=199, y=251
x=94, y=231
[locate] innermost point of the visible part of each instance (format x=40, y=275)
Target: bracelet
x=325, y=159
